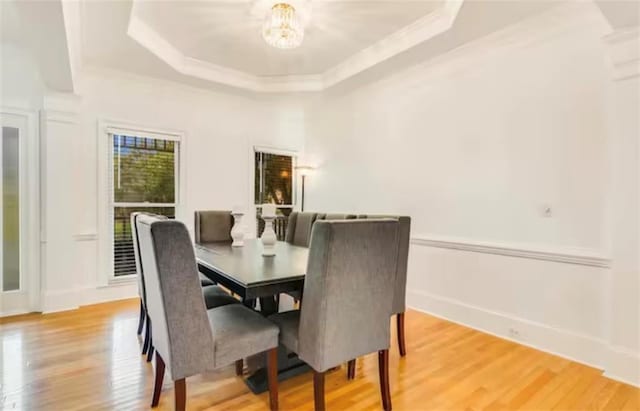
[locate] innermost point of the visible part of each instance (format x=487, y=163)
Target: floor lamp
x=304, y=172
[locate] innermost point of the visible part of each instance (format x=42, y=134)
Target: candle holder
x=268, y=235
x=237, y=233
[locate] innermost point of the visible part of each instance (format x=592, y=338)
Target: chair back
x=336, y=216
x=136, y=253
x=404, y=239
x=213, y=226
x=348, y=291
x=181, y=332
x=299, y=228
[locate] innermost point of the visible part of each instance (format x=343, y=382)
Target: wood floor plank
x=89, y=359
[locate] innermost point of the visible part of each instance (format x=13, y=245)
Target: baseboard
x=623, y=365
x=111, y=293
x=618, y=363
x=63, y=300
x=576, y=347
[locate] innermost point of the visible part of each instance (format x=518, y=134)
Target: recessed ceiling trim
x=429, y=26
x=436, y=22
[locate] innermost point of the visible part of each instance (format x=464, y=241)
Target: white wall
x=220, y=130
x=624, y=203
x=21, y=85
x=474, y=146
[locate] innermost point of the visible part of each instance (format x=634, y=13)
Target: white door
x=19, y=246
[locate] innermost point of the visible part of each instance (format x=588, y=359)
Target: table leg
x=289, y=365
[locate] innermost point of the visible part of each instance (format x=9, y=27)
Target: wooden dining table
x=259, y=281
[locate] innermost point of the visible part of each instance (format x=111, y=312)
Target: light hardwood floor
x=90, y=359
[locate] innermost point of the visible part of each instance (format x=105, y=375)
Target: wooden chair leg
x=180, y=388
x=401, y=341
x=151, y=351
x=141, y=319
x=147, y=337
x=239, y=367
x=272, y=374
x=318, y=390
x=157, y=387
x=351, y=370
x=383, y=370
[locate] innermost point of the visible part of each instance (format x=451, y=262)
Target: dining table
x=258, y=280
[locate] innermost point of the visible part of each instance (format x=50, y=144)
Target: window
x=274, y=179
x=143, y=178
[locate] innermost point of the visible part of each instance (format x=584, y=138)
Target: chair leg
x=147, y=337
x=180, y=388
x=351, y=369
x=272, y=370
x=150, y=353
x=141, y=319
x=383, y=370
x=401, y=341
x=157, y=387
x=239, y=367
x=318, y=390
x=151, y=349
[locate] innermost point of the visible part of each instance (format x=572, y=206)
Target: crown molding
x=429, y=26
x=624, y=52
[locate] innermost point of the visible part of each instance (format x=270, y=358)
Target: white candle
x=237, y=209
x=269, y=210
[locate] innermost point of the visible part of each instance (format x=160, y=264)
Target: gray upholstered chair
x=190, y=339
x=348, y=297
x=336, y=216
x=299, y=228
x=400, y=287
x=212, y=226
x=213, y=295
x=147, y=346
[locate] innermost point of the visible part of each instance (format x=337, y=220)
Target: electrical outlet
x=514, y=333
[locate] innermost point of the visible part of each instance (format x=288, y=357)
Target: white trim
x=275, y=150
x=60, y=300
x=104, y=237
x=559, y=255
x=623, y=365
x=85, y=237
x=427, y=27
x=145, y=133
x=618, y=363
x=568, y=344
x=30, y=208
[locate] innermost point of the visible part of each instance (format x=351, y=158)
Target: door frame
x=27, y=298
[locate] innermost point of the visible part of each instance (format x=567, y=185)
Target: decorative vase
x=237, y=233
x=268, y=235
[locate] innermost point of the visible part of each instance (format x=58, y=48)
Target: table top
x=245, y=271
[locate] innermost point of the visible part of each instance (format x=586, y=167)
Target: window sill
x=123, y=280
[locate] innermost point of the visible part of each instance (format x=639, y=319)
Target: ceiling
x=227, y=34
x=218, y=43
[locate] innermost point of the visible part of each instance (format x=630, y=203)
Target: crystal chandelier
x=282, y=28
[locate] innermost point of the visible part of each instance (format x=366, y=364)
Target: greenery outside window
x=143, y=178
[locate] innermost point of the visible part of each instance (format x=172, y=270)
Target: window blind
x=143, y=179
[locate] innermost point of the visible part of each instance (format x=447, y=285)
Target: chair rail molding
x=578, y=256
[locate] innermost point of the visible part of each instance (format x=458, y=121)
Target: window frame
x=294, y=174
x=106, y=201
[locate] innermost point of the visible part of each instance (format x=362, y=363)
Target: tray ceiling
x=219, y=42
